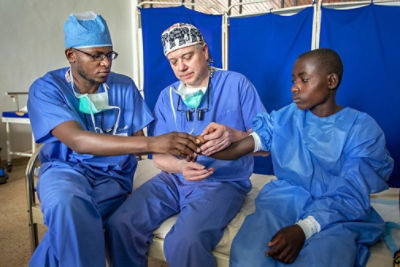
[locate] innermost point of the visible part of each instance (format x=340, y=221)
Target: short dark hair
x=328, y=59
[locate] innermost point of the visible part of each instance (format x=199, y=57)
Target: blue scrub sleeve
x=367, y=165
x=142, y=115
x=162, y=109
x=263, y=126
x=251, y=102
x=47, y=109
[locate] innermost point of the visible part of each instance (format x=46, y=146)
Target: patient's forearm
x=236, y=149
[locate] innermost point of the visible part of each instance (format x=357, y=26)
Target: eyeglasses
x=100, y=57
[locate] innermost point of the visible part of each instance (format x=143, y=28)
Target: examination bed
x=385, y=202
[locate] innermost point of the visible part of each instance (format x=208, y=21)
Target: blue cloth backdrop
x=157, y=71
x=264, y=48
x=367, y=39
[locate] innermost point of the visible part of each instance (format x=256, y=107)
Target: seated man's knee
x=180, y=241
x=67, y=204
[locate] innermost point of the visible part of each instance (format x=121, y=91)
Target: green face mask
x=193, y=100
x=93, y=103
x=191, y=97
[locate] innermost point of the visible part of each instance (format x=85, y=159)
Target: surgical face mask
x=95, y=103
x=191, y=98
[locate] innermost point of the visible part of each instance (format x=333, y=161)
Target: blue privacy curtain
x=368, y=41
x=157, y=71
x=264, y=48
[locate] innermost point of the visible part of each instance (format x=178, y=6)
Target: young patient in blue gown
x=327, y=160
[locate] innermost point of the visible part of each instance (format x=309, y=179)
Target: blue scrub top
x=51, y=102
x=232, y=100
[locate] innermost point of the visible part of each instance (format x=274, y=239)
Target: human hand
x=193, y=171
x=217, y=137
x=177, y=144
x=286, y=244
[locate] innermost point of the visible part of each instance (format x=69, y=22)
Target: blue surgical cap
x=86, y=30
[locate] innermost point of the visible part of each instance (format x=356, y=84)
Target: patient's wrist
x=309, y=226
x=237, y=135
x=257, y=142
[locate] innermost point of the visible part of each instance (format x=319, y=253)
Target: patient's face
x=310, y=88
x=190, y=65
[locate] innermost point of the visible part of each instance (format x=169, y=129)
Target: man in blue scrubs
x=90, y=121
x=206, y=194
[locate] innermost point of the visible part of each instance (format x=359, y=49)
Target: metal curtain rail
x=180, y=3
x=316, y=26
x=293, y=9
x=357, y=3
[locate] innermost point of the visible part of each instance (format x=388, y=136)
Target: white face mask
x=95, y=103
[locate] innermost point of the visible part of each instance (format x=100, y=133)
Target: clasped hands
x=215, y=137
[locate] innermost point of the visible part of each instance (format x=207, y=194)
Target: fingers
x=193, y=138
x=278, y=245
x=201, y=139
x=201, y=175
x=181, y=152
x=286, y=244
x=210, y=128
x=214, y=133
x=194, y=171
x=197, y=140
x=218, y=140
x=214, y=146
x=285, y=254
x=187, y=144
x=192, y=158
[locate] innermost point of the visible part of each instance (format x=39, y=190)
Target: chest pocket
x=231, y=117
x=109, y=119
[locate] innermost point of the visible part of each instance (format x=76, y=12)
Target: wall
x=32, y=43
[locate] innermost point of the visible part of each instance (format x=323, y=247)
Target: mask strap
x=172, y=106
x=71, y=82
x=106, y=88
x=117, y=121
x=71, y=78
x=194, y=122
x=93, y=121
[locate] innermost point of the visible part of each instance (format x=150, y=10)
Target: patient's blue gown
x=326, y=168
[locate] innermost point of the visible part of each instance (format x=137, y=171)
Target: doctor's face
x=92, y=64
x=190, y=65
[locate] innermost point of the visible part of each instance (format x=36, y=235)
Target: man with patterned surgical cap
x=207, y=194
x=90, y=121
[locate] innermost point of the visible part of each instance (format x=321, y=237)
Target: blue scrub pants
x=279, y=205
x=74, y=209
x=204, y=208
